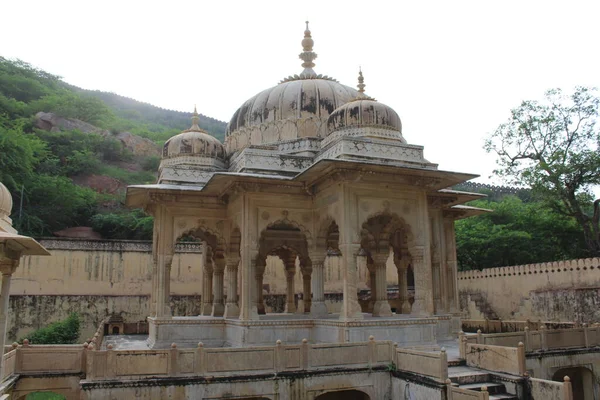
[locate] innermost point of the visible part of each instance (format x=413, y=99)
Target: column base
x=206, y=309
x=318, y=309
x=260, y=308
x=218, y=309
x=354, y=313
x=231, y=310
x=290, y=308
x=382, y=308
x=419, y=308
x=405, y=308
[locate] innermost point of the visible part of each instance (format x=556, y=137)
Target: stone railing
x=49, y=359
x=8, y=363
x=499, y=326
x=456, y=393
x=550, y=390
x=582, y=264
x=434, y=365
x=133, y=364
x=510, y=360
x=144, y=246
x=98, y=337
x=539, y=340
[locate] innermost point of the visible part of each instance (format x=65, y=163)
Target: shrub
x=61, y=332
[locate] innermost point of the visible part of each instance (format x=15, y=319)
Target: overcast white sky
x=451, y=69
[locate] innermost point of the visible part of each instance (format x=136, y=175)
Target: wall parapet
x=550, y=390
x=222, y=362
x=143, y=246
x=582, y=264
x=499, y=326
x=503, y=359
x=430, y=364
x=536, y=340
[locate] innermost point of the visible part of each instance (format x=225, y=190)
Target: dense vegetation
x=61, y=332
x=520, y=231
x=40, y=167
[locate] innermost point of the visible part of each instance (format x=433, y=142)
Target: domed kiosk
x=320, y=176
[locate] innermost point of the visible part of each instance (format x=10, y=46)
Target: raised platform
x=405, y=330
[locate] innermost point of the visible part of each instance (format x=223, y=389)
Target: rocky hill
x=67, y=154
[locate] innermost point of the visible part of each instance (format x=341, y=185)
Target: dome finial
x=361, y=81
x=308, y=56
x=195, y=120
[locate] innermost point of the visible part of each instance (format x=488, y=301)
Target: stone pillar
x=232, y=309
x=373, y=286
x=7, y=268
x=290, y=272
x=162, y=249
x=207, y=283
x=350, y=308
x=218, y=307
x=451, y=265
x=402, y=267
x=423, y=304
x=318, y=309
x=306, y=288
x=259, y=276
x=381, y=308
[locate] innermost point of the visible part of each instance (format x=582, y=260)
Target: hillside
x=68, y=153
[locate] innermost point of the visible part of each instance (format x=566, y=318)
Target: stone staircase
x=482, y=305
x=474, y=379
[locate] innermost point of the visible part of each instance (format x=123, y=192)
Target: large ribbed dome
x=297, y=107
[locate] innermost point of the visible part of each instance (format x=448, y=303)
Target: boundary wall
x=554, y=291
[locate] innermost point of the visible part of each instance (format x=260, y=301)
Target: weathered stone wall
x=560, y=291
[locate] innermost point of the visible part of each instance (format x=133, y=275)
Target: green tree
x=516, y=233
x=553, y=146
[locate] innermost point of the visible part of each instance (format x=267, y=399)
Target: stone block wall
x=557, y=291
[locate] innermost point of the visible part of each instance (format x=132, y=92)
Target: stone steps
x=474, y=379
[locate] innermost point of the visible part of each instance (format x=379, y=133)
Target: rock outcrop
x=138, y=145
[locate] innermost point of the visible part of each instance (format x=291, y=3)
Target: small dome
x=6, y=202
x=193, y=142
x=363, y=112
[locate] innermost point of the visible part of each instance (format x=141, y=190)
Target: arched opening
x=386, y=236
x=582, y=381
x=115, y=330
x=44, y=396
x=213, y=269
x=283, y=246
x=344, y=395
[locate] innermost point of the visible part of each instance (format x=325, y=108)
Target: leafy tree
x=553, y=147
x=134, y=225
x=61, y=332
x=516, y=233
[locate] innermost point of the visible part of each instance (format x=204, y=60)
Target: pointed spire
x=361, y=81
x=308, y=56
x=195, y=120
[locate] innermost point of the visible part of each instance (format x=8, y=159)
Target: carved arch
x=378, y=228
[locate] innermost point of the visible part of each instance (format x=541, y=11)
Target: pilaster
x=232, y=309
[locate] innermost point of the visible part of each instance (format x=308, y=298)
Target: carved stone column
x=351, y=308
x=7, y=268
x=402, y=267
x=290, y=272
x=207, y=283
x=232, y=309
x=423, y=304
x=372, y=285
x=381, y=308
x=306, y=288
x=218, y=307
x=162, y=252
x=259, y=275
x=451, y=265
x=318, y=309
